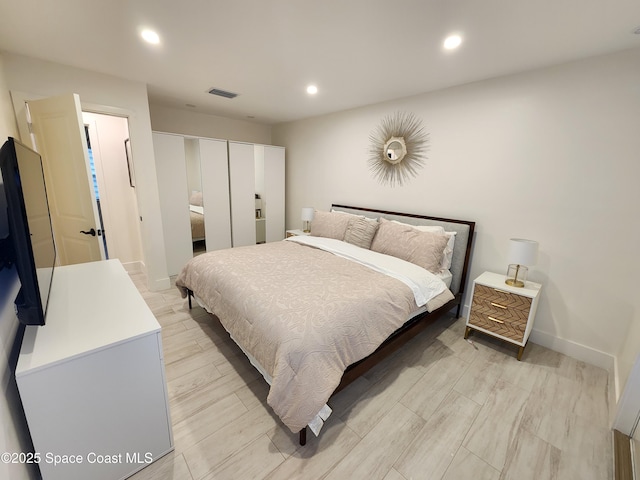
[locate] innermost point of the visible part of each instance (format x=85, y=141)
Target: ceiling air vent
x=222, y=93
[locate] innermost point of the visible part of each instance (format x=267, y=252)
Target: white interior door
x=59, y=136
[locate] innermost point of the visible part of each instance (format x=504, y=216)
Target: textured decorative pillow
x=330, y=224
x=403, y=241
x=360, y=231
x=447, y=255
x=196, y=199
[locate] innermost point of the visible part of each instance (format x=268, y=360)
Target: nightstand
x=293, y=233
x=501, y=310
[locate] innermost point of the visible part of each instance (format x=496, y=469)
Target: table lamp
x=307, y=217
x=521, y=253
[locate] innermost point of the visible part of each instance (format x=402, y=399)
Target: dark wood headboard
x=461, y=249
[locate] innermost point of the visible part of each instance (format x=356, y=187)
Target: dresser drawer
x=500, y=312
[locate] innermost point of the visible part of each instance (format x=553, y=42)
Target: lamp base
x=516, y=275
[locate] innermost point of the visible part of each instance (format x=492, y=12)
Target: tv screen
x=29, y=220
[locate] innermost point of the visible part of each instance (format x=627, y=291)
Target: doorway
x=96, y=192
x=125, y=240
x=108, y=140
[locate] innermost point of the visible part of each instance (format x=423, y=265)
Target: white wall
x=14, y=436
x=550, y=155
x=184, y=122
x=41, y=78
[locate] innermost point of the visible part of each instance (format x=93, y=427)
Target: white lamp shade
x=307, y=214
x=523, y=252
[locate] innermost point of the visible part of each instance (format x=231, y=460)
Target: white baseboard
x=574, y=350
x=571, y=349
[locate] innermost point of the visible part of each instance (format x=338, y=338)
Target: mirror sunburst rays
x=398, y=171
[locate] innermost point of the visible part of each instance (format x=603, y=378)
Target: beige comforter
x=304, y=314
x=197, y=225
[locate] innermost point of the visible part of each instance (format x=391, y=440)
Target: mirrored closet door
x=208, y=186
x=217, y=194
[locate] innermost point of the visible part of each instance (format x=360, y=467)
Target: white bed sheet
x=196, y=209
x=424, y=284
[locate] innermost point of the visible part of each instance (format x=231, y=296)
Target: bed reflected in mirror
x=196, y=205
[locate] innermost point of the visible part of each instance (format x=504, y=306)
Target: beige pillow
x=360, y=231
x=403, y=241
x=447, y=256
x=196, y=198
x=330, y=224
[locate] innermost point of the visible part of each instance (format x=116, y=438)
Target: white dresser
x=92, y=379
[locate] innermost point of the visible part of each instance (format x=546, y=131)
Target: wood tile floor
x=442, y=408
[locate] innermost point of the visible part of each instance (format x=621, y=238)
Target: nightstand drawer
x=501, y=300
x=500, y=312
x=509, y=328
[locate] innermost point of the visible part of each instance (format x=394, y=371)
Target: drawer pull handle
x=495, y=320
x=501, y=291
x=498, y=305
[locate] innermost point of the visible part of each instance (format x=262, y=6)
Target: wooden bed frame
x=461, y=257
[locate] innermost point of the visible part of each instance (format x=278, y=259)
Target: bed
x=196, y=216
x=313, y=313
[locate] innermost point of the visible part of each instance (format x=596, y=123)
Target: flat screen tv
x=31, y=236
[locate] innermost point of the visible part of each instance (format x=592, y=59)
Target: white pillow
x=447, y=256
x=422, y=228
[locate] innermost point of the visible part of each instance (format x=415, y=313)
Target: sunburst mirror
x=398, y=149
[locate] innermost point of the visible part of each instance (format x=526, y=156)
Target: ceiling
x=357, y=52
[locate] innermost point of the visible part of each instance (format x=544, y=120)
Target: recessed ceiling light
x=312, y=89
x=452, y=42
x=150, y=36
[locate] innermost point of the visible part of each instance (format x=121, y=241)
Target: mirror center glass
x=395, y=150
